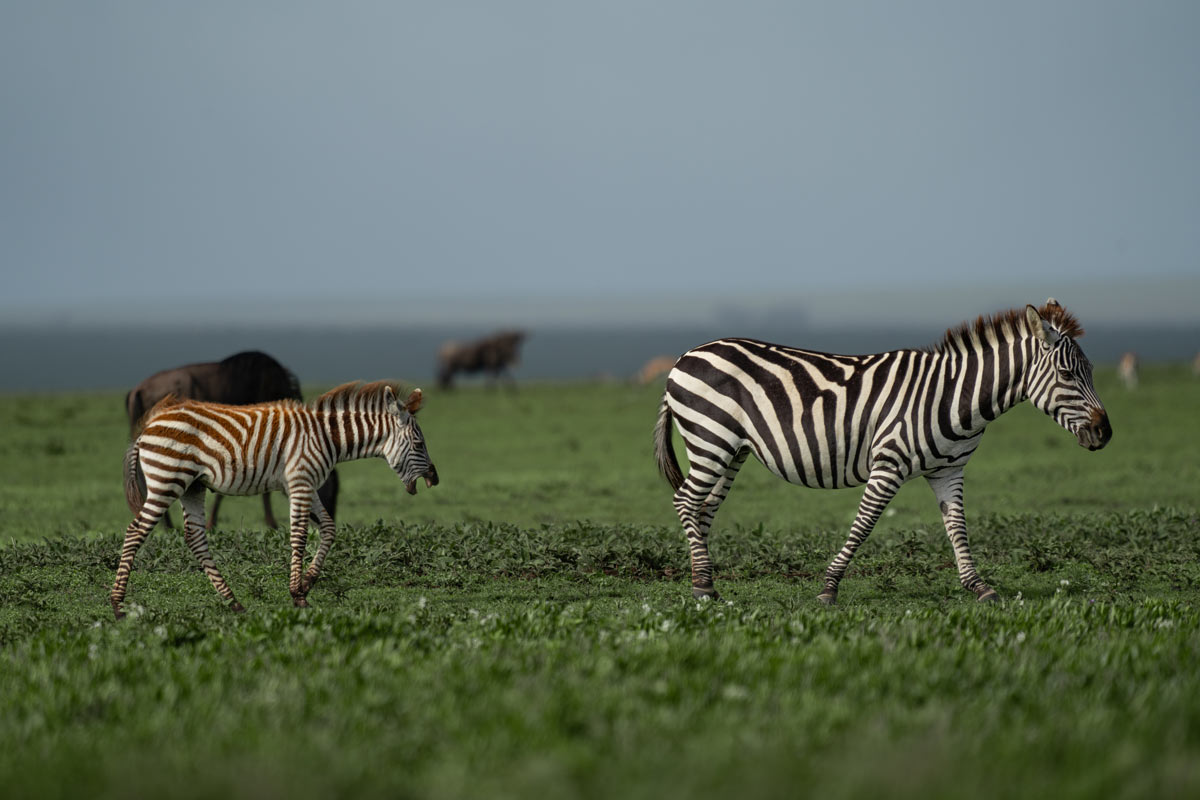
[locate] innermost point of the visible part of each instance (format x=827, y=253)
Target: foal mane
x=356, y=394
x=1062, y=321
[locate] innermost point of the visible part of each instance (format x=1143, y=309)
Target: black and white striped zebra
x=832, y=421
x=184, y=447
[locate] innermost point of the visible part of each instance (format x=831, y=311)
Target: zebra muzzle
x=431, y=480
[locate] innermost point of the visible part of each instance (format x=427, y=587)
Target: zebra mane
x=1013, y=320
x=356, y=395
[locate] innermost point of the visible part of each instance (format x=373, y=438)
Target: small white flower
x=422, y=602
x=1020, y=636
x=735, y=692
x=1064, y=582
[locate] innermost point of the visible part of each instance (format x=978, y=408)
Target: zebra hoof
x=234, y=605
x=300, y=602
x=705, y=594
x=827, y=598
x=119, y=614
x=988, y=595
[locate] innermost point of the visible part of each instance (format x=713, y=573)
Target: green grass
x=527, y=628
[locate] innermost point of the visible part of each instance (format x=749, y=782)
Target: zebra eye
x=1065, y=375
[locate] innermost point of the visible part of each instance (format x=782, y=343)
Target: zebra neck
x=355, y=433
x=986, y=376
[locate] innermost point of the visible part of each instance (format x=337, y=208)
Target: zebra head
x=405, y=447
x=1060, y=377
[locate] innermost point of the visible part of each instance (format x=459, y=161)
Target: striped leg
x=301, y=502
x=696, y=502
x=197, y=541
x=327, y=532
x=153, y=508
x=948, y=489
x=881, y=488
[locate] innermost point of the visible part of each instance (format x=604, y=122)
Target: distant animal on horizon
x=495, y=354
x=241, y=379
x=1127, y=370
x=654, y=369
x=831, y=421
x=184, y=446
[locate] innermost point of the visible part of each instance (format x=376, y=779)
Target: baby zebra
x=187, y=446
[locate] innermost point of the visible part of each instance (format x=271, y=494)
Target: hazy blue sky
x=274, y=153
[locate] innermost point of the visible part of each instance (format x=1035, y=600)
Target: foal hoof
x=300, y=602
x=988, y=595
x=827, y=597
x=234, y=605
x=705, y=594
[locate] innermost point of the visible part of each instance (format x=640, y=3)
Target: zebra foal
x=832, y=421
x=184, y=447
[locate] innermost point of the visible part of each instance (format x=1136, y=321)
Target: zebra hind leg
x=153, y=508
x=196, y=538
x=881, y=488
x=696, y=503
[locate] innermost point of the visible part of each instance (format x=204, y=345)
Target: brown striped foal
x=186, y=447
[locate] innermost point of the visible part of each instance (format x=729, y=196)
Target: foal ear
x=413, y=404
x=1042, y=330
x=389, y=400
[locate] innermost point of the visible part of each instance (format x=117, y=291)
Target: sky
x=388, y=160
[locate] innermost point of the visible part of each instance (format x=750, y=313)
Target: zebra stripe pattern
x=832, y=421
x=185, y=447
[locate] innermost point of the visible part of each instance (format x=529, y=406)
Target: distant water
x=105, y=357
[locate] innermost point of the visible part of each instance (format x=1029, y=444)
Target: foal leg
x=153, y=509
x=881, y=488
x=328, y=529
x=696, y=502
x=196, y=540
x=948, y=489
x=300, y=497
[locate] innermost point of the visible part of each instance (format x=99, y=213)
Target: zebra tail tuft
x=664, y=451
x=135, y=491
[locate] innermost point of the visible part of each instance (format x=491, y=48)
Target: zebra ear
x=1042, y=330
x=389, y=400
x=413, y=404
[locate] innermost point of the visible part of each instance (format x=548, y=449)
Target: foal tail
x=135, y=483
x=664, y=451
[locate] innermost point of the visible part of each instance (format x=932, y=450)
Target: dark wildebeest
x=241, y=379
x=493, y=354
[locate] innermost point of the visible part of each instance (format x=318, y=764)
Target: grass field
x=527, y=626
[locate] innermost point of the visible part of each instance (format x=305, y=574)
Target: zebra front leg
x=696, y=503
x=194, y=535
x=948, y=489
x=328, y=529
x=153, y=509
x=881, y=488
x=301, y=503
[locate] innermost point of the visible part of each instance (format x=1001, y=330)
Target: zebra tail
x=135, y=484
x=664, y=451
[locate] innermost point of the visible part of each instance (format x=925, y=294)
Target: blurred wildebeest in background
x=655, y=368
x=1127, y=370
x=493, y=354
x=242, y=379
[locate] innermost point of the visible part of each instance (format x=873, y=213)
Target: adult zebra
x=186, y=446
x=832, y=421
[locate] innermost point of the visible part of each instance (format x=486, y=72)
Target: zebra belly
x=828, y=467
